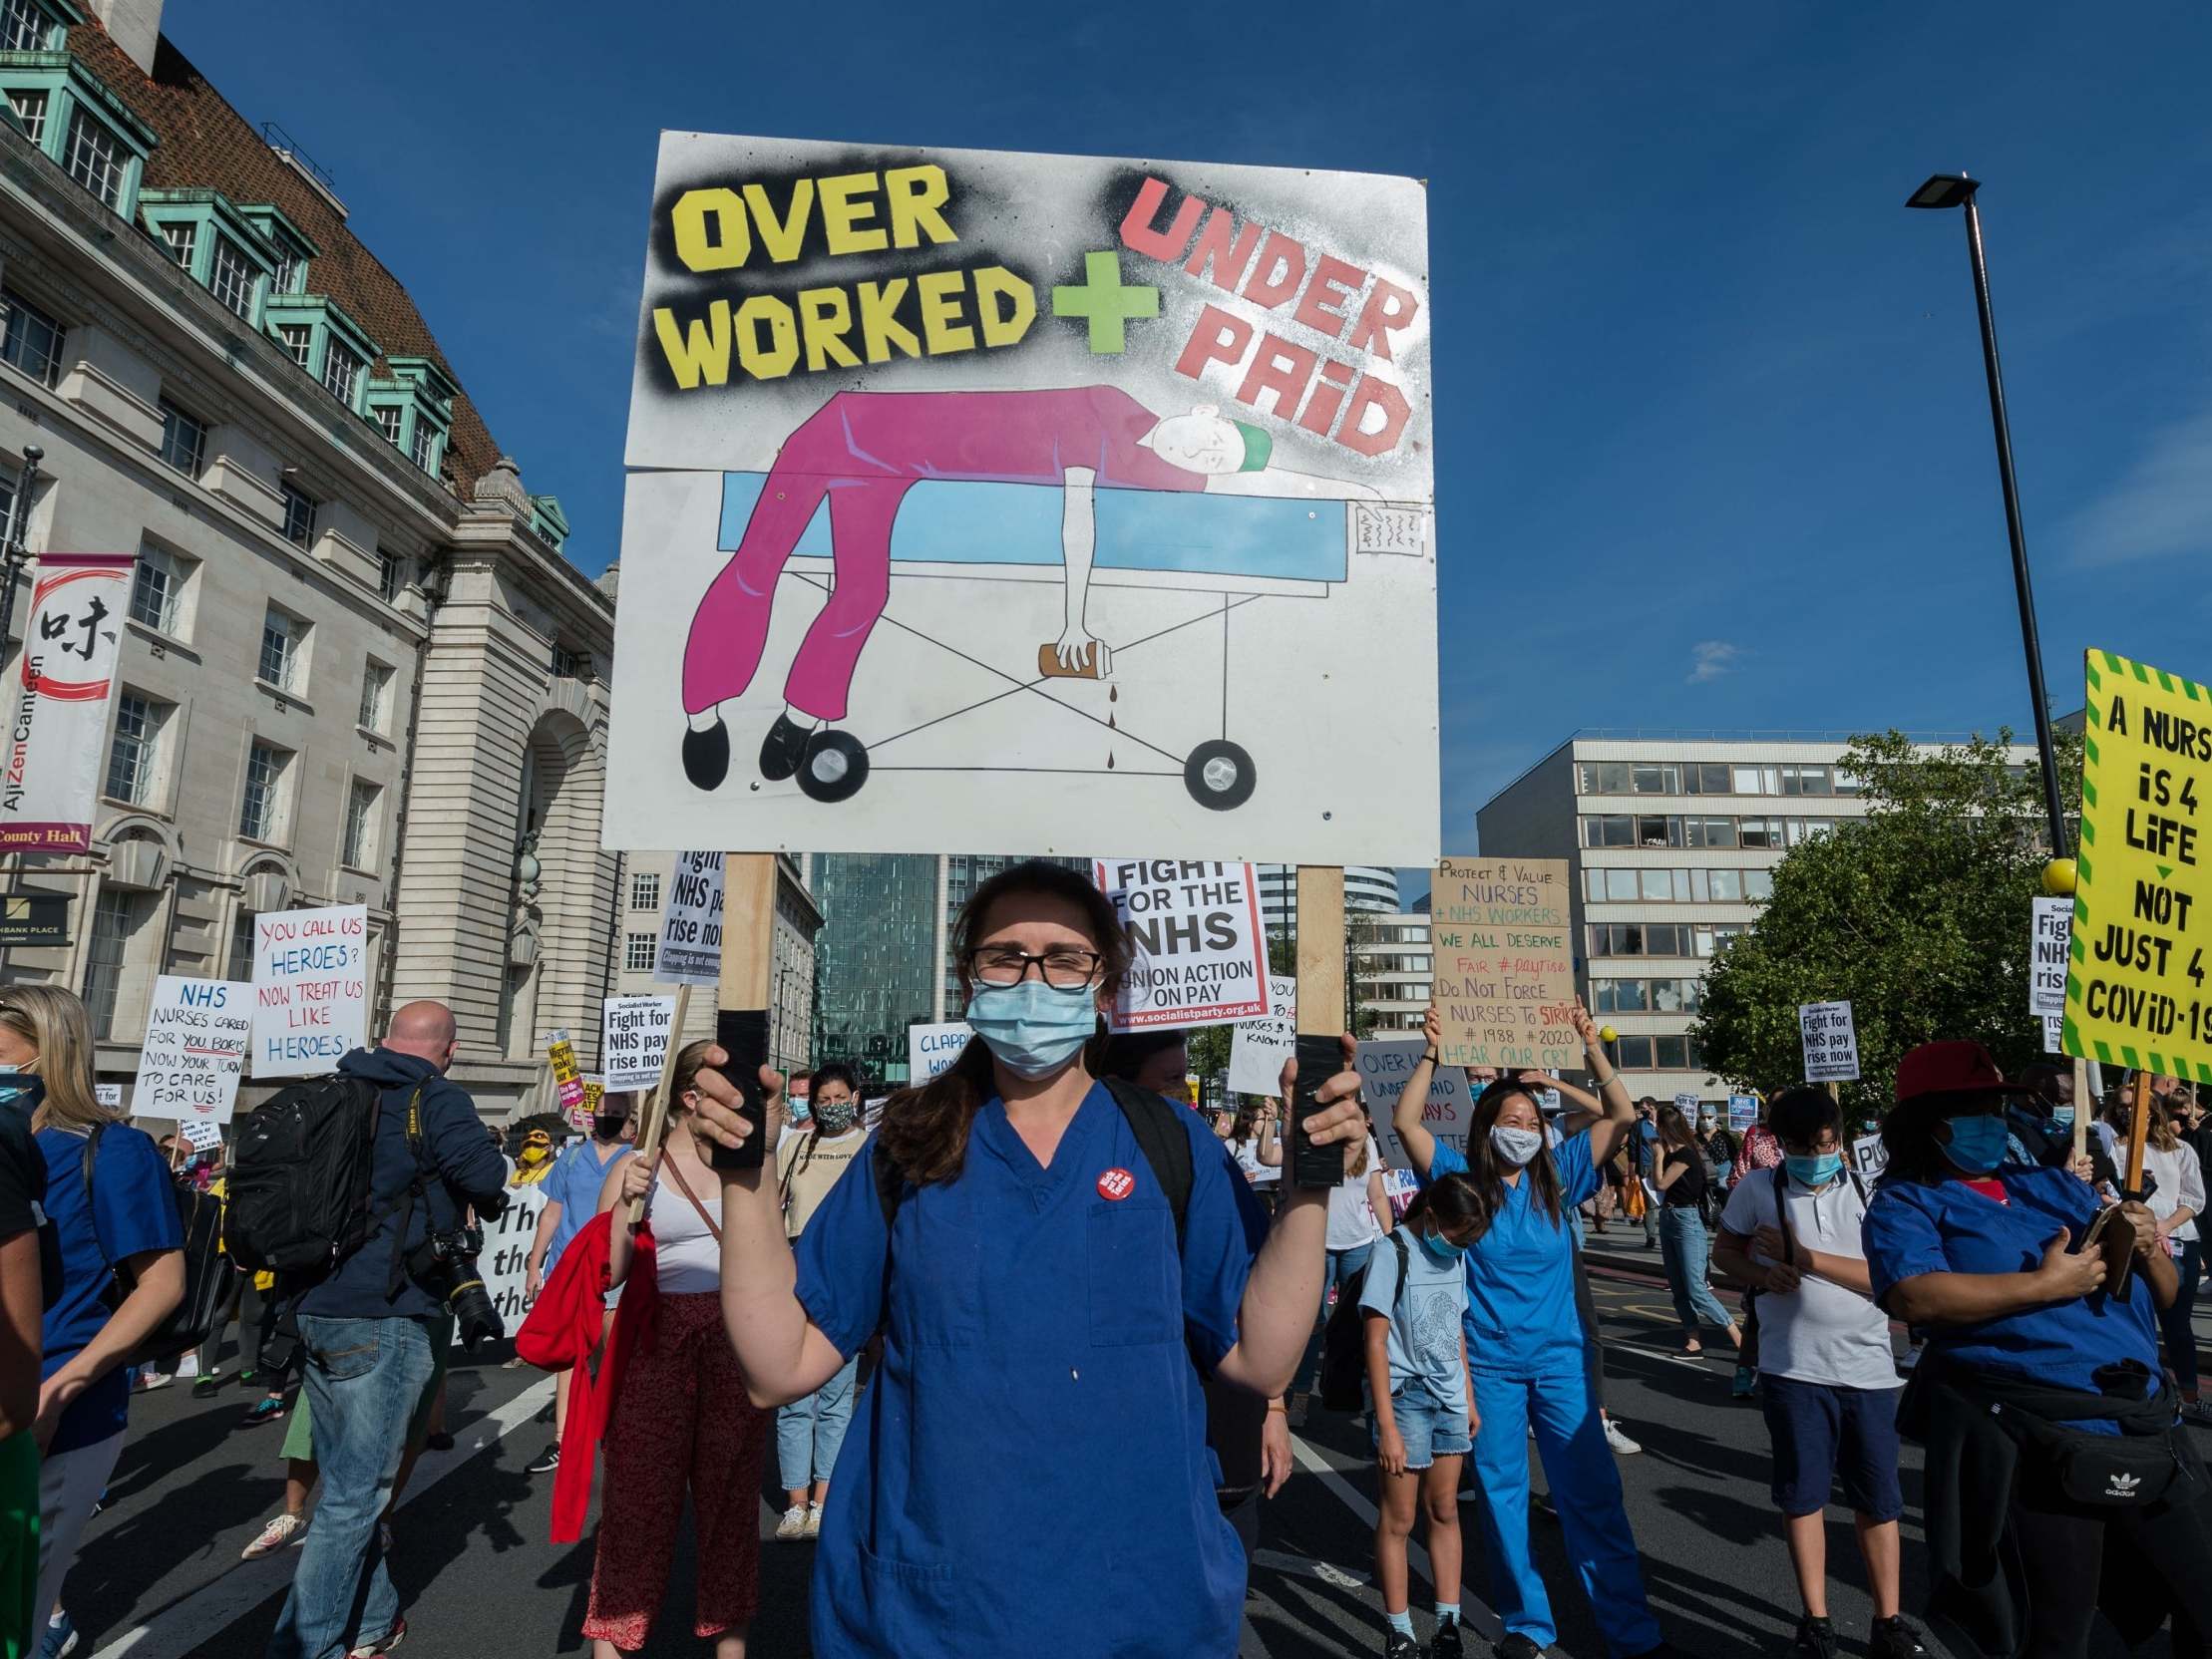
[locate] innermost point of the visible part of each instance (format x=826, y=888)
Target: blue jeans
x=810, y=1430
x=1683, y=1250
x=1549, y=1391
x=364, y=1379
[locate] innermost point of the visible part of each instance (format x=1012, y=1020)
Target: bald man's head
x=425, y=1029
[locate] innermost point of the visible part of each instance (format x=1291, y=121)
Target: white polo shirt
x=1820, y=1332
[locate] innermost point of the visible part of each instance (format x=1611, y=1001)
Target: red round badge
x=1116, y=1184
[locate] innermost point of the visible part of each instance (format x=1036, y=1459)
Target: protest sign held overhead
x=1384, y=1065
x=1198, y=954
x=634, y=1041
x=691, y=922
x=1260, y=1047
x=2051, y=928
x=58, y=699
x=932, y=1049
x=197, y=1031
x=1831, y=1042
x=560, y=1054
x=1504, y=975
x=947, y=466
x=310, y=989
x=2137, y=993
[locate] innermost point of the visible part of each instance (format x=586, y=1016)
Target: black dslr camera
x=445, y=1264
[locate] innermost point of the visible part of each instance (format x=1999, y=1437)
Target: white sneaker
x=285, y=1529
x=793, y=1523
x=814, y=1521
x=1619, y=1442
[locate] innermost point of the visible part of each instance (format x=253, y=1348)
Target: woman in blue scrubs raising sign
x=1526, y=1348
x=1028, y=1473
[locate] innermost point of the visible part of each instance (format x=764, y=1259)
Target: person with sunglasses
x=1057, y=1266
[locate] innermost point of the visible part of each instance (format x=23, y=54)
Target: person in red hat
x=2047, y=1419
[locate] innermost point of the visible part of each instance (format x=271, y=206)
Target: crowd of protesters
x=948, y=1344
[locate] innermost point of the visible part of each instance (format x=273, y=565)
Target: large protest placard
x=932, y=1049
x=691, y=922
x=1505, y=972
x=1259, y=1047
x=1831, y=1042
x=951, y=465
x=504, y=1260
x=197, y=1033
x=1743, y=1112
x=1197, y=952
x=310, y=989
x=2048, y=932
x=634, y=1040
x=58, y=701
x=2136, y=995
x=1386, y=1064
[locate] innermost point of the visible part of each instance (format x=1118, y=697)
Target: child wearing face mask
x=1420, y=1395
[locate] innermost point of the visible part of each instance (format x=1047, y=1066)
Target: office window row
x=1646, y=996
x=1677, y=887
x=1669, y=830
x=1656, y=1054
x=1712, y=778
x=1665, y=938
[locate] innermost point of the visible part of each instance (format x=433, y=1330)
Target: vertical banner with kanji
x=59, y=693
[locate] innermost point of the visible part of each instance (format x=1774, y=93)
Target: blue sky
x=1713, y=446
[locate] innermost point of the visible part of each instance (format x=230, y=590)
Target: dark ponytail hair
x=923, y=1131
x=1446, y=1203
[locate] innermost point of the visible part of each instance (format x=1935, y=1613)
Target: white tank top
x=688, y=1257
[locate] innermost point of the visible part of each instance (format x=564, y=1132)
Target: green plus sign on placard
x=1104, y=300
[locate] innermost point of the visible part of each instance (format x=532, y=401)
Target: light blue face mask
x=2062, y=1116
x=1033, y=1029
x=1442, y=1248
x=1976, y=1144
x=1816, y=1171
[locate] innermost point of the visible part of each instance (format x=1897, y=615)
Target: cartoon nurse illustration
x=863, y=451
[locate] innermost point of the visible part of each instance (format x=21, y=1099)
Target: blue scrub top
x=574, y=1186
x=1915, y=1227
x=137, y=1208
x=1521, y=1273
x=1029, y=1472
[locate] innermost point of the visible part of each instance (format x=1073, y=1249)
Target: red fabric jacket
x=560, y=1332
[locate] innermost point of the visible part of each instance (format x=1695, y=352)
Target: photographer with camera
x=375, y=1327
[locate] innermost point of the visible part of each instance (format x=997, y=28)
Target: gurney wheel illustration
x=1219, y=774
x=834, y=767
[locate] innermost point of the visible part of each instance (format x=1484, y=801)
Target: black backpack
x=1344, y=1337
x=299, y=1177
x=206, y=1270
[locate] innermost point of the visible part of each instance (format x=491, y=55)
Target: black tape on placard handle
x=743, y=1035
x=1319, y=1059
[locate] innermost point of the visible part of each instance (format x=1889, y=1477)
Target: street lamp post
x=1947, y=191
x=13, y=555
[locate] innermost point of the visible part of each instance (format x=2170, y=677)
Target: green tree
x=1918, y=915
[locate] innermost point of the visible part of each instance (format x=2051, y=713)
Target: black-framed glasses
x=1064, y=967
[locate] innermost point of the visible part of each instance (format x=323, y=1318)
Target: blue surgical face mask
x=1033, y=1029
x=1442, y=1248
x=1816, y=1171
x=1977, y=1144
x=1515, y=1145
x=2062, y=1116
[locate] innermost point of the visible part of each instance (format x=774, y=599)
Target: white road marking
x=189, y=1621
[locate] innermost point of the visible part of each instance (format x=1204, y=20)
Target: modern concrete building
x=1368, y=889
x=1391, y=969
x=356, y=666
x=1672, y=843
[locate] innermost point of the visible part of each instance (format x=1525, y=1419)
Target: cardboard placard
x=310, y=989
x=1197, y=952
x=636, y=1037
x=197, y=1031
x=1259, y=1049
x=932, y=1050
x=2138, y=993
x=1505, y=972
x=1831, y=1042
x=58, y=700
x=1384, y=1066
x=690, y=950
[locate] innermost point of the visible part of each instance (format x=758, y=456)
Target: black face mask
x=609, y=1128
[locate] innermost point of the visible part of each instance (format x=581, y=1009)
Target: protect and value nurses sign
x=58, y=701
x=310, y=989
x=954, y=471
x=1505, y=973
x=197, y=1031
x=2137, y=994
x=1197, y=953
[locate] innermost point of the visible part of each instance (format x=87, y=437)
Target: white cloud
x=1709, y=659
x=2161, y=506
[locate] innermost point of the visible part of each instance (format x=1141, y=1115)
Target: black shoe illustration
x=706, y=755
x=780, y=750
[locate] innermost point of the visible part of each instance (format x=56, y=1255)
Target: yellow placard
x=2136, y=991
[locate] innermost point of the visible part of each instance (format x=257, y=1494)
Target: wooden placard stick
x=1322, y=1018
x=652, y=1127
x=2138, y=1127
x=2082, y=1101
x=741, y=1017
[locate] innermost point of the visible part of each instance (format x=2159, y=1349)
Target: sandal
x=1692, y=1347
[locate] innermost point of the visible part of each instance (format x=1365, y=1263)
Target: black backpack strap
x=1164, y=1143
x=92, y=1201
x=1781, y=1215
x=396, y=1277
x=1404, y=1267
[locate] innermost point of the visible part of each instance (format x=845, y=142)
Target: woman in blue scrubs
x=1028, y=1473
x=1527, y=1350
x=2034, y=1382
